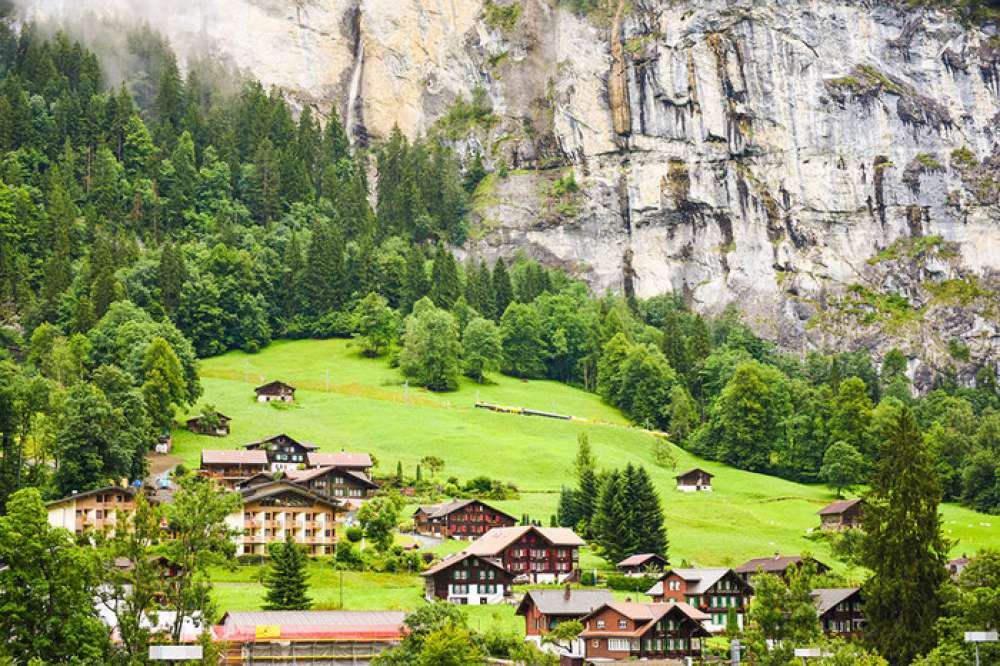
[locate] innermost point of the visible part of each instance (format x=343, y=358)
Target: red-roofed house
x=539, y=554
x=460, y=519
x=231, y=466
x=284, y=637
x=712, y=591
x=467, y=579
x=778, y=565
x=841, y=515
x=623, y=631
x=359, y=462
x=642, y=564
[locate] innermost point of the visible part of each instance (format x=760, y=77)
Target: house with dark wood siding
x=711, y=591
x=230, y=467
x=536, y=554
x=643, y=564
x=283, y=452
x=460, y=519
x=543, y=610
x=694, y=480
x=276, y=391
x=205, y=426
x=467, y=579
x=345, y=485
x=841, y=611
x=624, y=631
x=778, y=565
x=841, y=515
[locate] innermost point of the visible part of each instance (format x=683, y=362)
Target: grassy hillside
x=348, y=402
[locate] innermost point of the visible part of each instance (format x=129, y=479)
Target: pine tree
x=645, y=514
x=285, y=579
x=323, y=282
x=675, y=346
x=610, y=530
x=503, y=290
x=903, y=546
x=417, y=282
x=445, y=288
x=171, y=276
x=483, y=286
x=104, y=287
x=265, y=193
x=169, y=101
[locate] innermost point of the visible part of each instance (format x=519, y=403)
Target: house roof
x=775, y=564
x=130, y=491
x=220, y=415
x=457, y=558
x=262, y=442
x=640, y=559
x=499, y=538
x=265, y=490
x=828, y=597
x=338, y=459
x=233, y=457
x=698, y=580
x=840, y=506
x=645, y=615
x=304, y=475
x=695, y=470
x=263, y=388
x=557, y=602
x=959, y=561
x=313, y=625
x=444, y=508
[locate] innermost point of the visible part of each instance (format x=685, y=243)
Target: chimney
x=567, y=591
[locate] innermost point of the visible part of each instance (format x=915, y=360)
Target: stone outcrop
x=756, y=152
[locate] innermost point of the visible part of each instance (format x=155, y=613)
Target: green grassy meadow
x=345, y=401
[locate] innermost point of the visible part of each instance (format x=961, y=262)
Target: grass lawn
x=349, y=402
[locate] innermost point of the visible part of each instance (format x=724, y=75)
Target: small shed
x=841, y=515
x=164, y=442
x=275, y=391
x=216, y=425
x=642, y=564
x=694, y=480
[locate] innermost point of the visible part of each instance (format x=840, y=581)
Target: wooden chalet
x=283, y=452
x=712, y=591
x=275, y=391
x=694, y=480
x=625, y=631
x=97, y=509
x=841, y=515
x=359, y=462
x=779, y=565
x=643, y=564
x=460, y=519
x=218, y=426
x=308, y=637
x=232, y=466
x=272, y=511
x=543, y=610
x=467, y=579
x=346, y=485
x=841, y=611
x=538, y=554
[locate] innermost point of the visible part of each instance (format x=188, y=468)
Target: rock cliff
x=830, y=166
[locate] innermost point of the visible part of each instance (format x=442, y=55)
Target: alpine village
x=522, y=332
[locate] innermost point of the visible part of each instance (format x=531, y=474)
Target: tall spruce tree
x=645, y=515
x=285, y=579
x=903, y=546
x=445, y=286
x=503, y=289
x=610, y=528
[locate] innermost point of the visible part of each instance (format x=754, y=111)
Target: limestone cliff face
x=798, y=158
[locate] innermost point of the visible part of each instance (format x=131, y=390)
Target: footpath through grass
x=349, y=402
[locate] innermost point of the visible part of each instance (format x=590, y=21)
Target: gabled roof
x=458, y=558
x=314, y=625
x=263, y=491
x=220, y=415
x=130, y=491
x=776, y=564
x=694, y=470
x=641, y=559
x=257, y=479
x=273, y=384
x=698, y=580
x=306, y=475
x=499, y=538
x=233, y=457
x=645, y=616
x=838, y=507
x=827, y=598
x=338, y=459
x=556, y=601
x=445, y=508
x=261, y=442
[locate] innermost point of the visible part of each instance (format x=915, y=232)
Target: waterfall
x=354, y=91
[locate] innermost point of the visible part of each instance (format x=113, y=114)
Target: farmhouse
x=275, y=391
x=544, y=610
x=841, y=515
x=231, y=466
x=216, y=425
x=308, y=637
x=779, y=565
x=272, y=511
x=539, y=554
x=712, y=591
x=283, y=452
x=460, y=519
x=467, y=579
x=359, y=462
x=628, y=631
x=841, y=611
x=347, y=485
x=694, y=480
x=92, y=510
x=643, y=564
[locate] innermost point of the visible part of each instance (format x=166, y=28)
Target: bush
x=348, y=557
x=354, y=534
x=625, y=583
x=588, y=579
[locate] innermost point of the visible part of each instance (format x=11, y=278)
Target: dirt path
x=160, y=463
